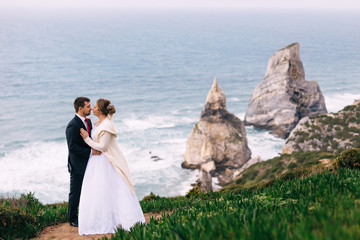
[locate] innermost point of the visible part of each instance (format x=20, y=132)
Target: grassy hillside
x=303, y=198
x=285, y=166
x=323, y=206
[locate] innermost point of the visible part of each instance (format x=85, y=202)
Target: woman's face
x=96, y=110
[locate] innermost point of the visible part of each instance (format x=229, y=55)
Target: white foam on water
x=161, y=156
x=39, y=167
x=158, y=169
x=136, y=123
x=263, y=144
x=185, y=186
x=176, y=140
x=241, y=116
x=234, y=99
x=336, y=102
x=215, y=183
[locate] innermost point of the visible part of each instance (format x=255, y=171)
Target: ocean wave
x=39, y=167
x=137, y=123
x=234, y=99
x=241, y=116
x=337, y=101
x=262, y=143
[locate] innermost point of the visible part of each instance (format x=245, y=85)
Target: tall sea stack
x=217, y=144
x=283, y=97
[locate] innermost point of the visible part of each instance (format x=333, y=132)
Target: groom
x=79, y=153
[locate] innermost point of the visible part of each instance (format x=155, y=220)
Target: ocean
x=156, y=67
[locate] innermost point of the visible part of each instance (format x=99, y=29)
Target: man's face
x=86, y=110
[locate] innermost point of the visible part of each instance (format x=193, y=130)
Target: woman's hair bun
x=106, y=107
x=111, y=109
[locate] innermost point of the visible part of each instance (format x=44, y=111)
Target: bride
x=108, y=199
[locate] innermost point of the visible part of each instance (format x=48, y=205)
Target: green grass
x=322, y=206
x=24, y=217
x=297, y=198
x=266, y=171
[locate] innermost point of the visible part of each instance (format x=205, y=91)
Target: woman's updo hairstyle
x=105, y=107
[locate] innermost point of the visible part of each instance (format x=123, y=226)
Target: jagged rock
x=205, y=181
x=283, y=97
x=229, y=174
x=252, y=161
x=208, y=167
x=218, y=141
x=156, y=158
x=330, y=132
x=226, y=176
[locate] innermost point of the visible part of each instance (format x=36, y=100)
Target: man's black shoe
x=74, y=224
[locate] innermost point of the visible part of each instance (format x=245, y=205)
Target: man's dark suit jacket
x=79, y=151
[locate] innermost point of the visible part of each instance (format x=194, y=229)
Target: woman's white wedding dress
x=106, y=201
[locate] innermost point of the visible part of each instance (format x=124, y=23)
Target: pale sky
x=187, y=4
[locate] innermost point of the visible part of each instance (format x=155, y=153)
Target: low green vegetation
x=333, y=132
x=24, y=217
x=266, y=172
x=349, y=159
x=312, y=195
x=323, y=206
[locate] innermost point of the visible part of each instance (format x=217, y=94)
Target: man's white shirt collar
x=83, y=120
x=81, y=117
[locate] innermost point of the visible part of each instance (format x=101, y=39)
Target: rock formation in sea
x=217, y=145
x=332, y=132
x=283, y=97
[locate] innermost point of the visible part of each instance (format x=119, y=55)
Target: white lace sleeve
x=102, y=145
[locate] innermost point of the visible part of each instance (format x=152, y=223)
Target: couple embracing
x=100, y=180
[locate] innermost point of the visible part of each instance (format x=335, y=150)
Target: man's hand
x=95, y=152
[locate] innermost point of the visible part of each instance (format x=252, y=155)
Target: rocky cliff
x=331, y=132
x=283, y=97
x=217, y=144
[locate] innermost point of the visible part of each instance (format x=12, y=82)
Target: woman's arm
x=102, y=145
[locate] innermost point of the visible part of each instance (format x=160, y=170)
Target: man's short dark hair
x=80, y=102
